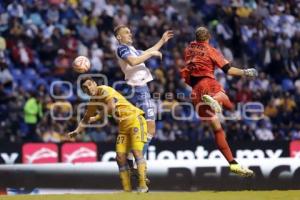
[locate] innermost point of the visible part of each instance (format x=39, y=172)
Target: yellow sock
x=141, y=166
x=125, y=179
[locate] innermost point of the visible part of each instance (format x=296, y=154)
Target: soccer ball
x=81, y=64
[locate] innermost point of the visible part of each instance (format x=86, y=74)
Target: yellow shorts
x=132, y=135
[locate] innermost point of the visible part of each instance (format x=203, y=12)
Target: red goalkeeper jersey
x=201, y=59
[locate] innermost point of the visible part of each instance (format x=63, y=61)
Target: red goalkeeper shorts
x=211, y=87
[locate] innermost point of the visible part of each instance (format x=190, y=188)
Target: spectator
x=2, y=44
x=16, y=28
x=46, y=130
x=295, y=134
x=98, y=135
x=88, y=32
x=22, y=54
x=96, y=58
x=166, y=134
x=288, y=103
x=121, y=18
x=32, y=113
x=4, y=17
x=263, y=133
x=15, y=9
x=6, y=78
x=52, y=14
x=62, y=63
x=271, y=109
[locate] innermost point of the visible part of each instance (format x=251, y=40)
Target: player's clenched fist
x=252, y=72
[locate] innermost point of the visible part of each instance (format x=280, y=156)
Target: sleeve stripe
x=123, y=51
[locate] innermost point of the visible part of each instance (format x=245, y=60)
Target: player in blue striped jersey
x=137, y=75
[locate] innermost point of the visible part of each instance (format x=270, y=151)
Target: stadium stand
x=37, y=46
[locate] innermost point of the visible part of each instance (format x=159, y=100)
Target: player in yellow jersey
x=132, y=127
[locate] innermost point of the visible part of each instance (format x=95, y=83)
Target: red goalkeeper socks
x=223, y=145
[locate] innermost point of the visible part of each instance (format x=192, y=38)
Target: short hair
x=202, y=34
x=84, y=79
x=118, y=28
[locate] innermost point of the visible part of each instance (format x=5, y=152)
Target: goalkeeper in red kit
x=208, y=96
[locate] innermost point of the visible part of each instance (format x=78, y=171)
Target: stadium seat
x=287, y=84
x=17, y=73
x=72, y=98
x=40, y=82
x=31, y=74
x=27, y=85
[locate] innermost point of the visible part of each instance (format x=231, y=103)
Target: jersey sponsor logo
x=40, y=153
x=150, y=112
x=79, y=152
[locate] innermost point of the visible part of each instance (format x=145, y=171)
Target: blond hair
x=202, y=34
x=118, y=28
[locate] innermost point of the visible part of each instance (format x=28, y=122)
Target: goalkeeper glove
x=252, y=72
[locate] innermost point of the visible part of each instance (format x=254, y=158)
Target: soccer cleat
x=241, y=171
x=143, y=190
x=212, y=103
x=147, y=181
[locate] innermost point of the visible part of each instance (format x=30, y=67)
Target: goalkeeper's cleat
x=214, y=104
x=143, y=190
x=241, y=171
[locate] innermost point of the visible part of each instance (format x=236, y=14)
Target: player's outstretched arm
x=97, y=117
x=131, y=60
x=77, y=131
x=165, y=38
x=251, y=72
x=224, y=64
x=89, y=113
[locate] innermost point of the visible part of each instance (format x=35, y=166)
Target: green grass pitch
x=207, y=195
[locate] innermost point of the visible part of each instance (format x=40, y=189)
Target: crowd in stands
x=40, y=38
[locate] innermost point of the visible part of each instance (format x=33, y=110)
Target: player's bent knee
x=215, y=124
x=121, y=158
